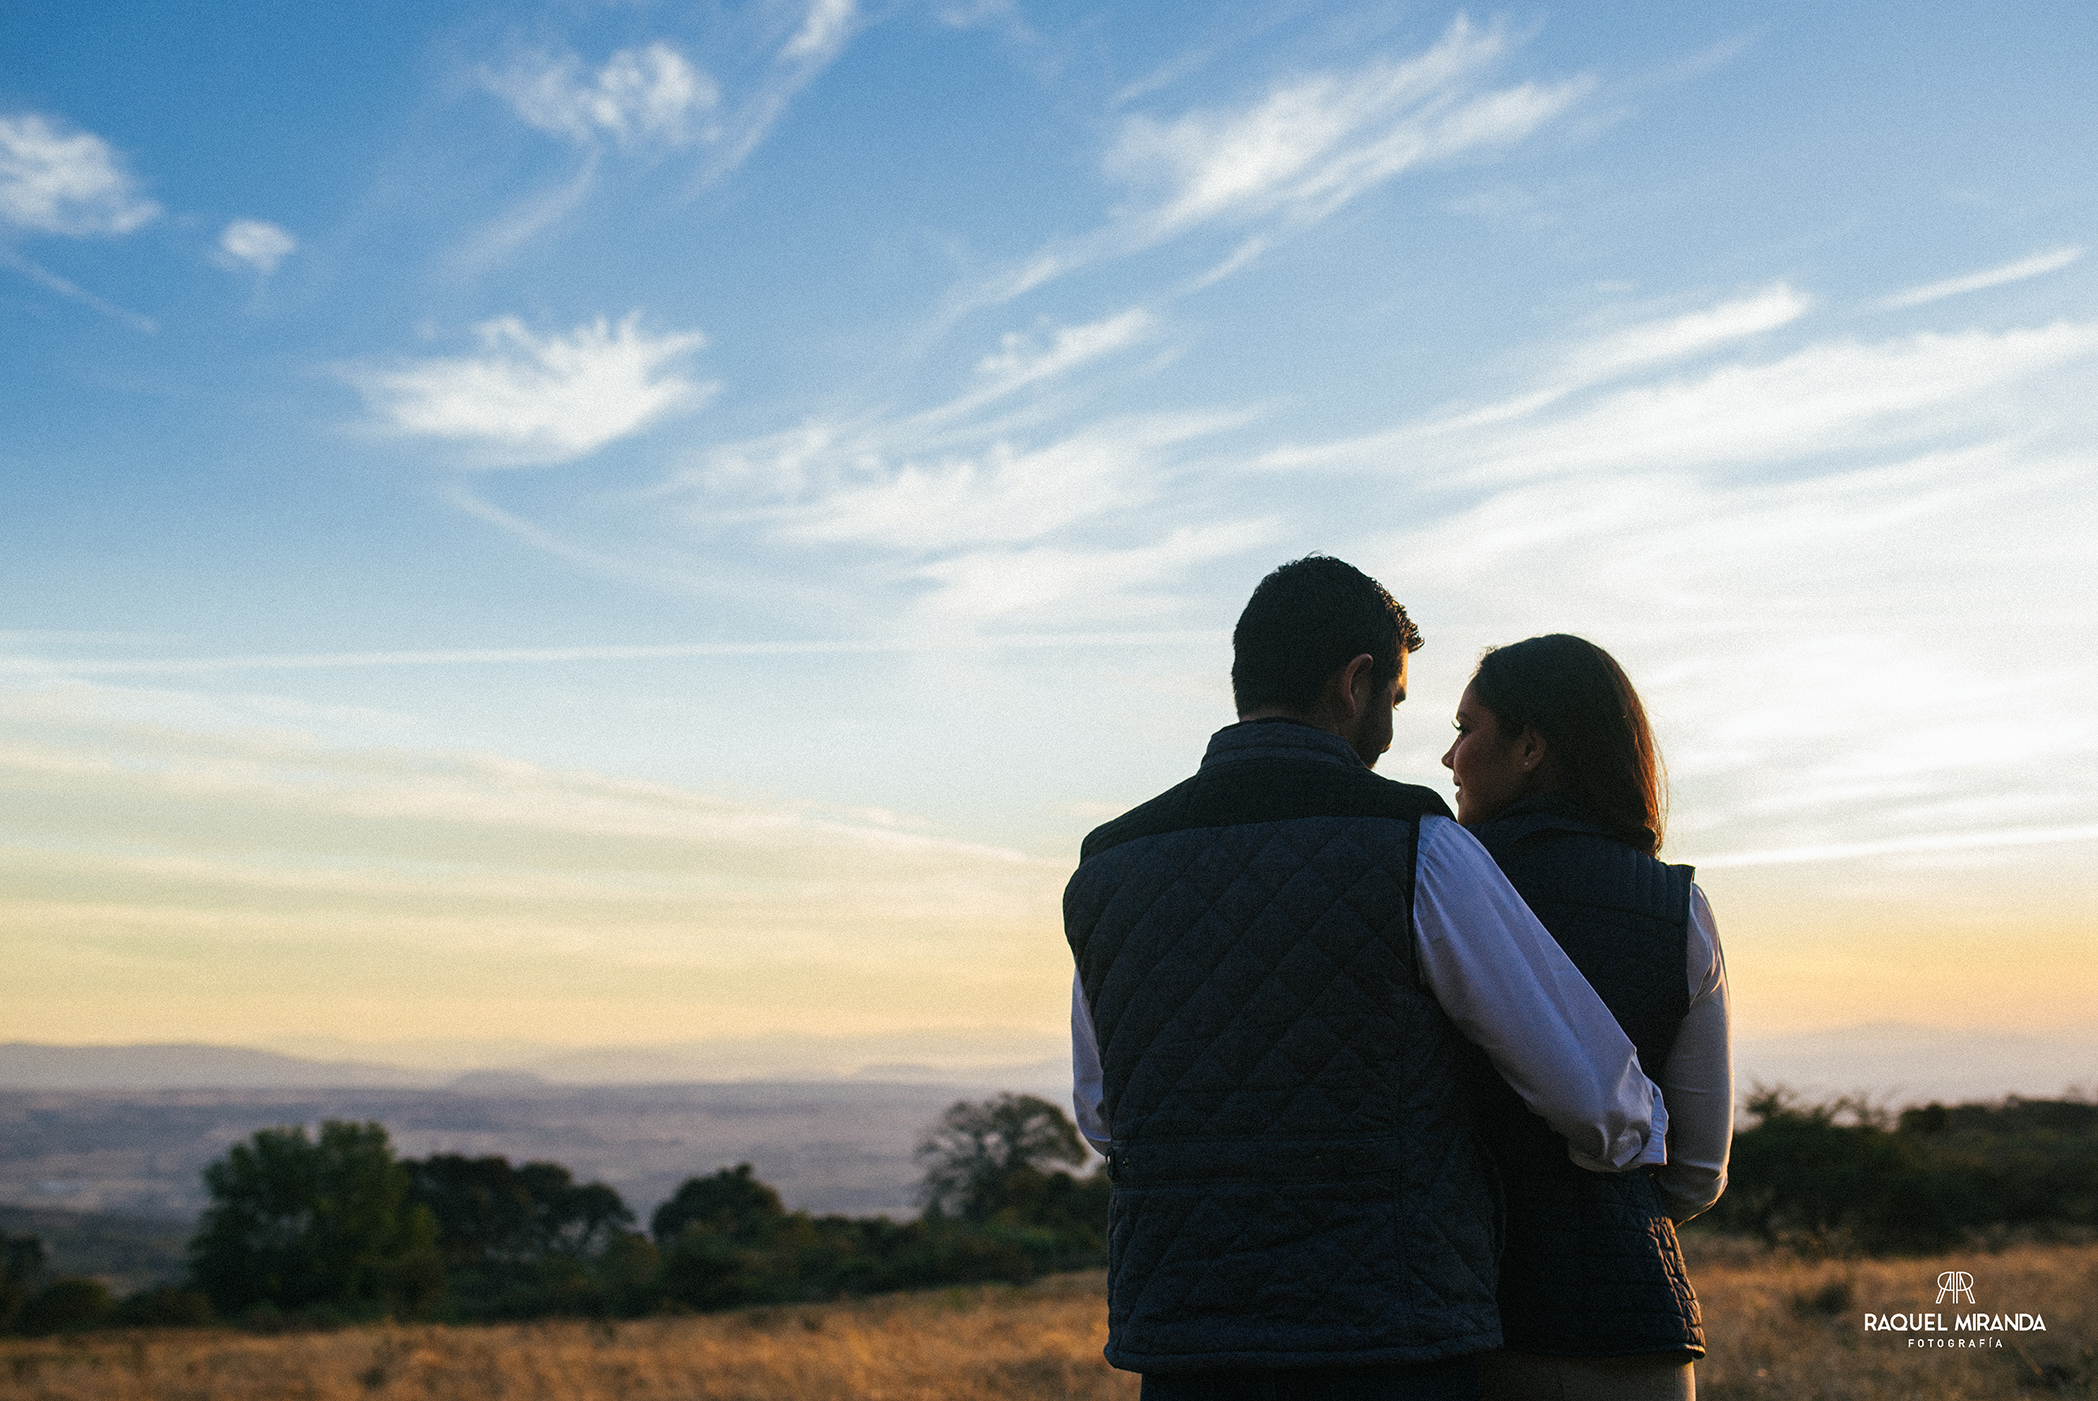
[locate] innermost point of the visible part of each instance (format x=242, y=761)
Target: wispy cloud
x=52, y=282
x=653, y=98
x=639, y=96
x=254, y=244
x=827, y=26
x=977, y=508
x=1679, y=337
x=1000, y=495
x=1308, y=147
x=1828, y=397
x=392, y=874
x=534, y=656
x=985, y=527
x=1021, y=360
x=526, y=399
x=1096, y=580
x=59, y=180
x=824, y=30
x=1831, y=564
x=1315, y=143
x=2034, y=266
x=1948, y=841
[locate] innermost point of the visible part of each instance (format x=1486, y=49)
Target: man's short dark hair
x=1307, y=620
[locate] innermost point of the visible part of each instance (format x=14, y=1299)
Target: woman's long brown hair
x=1575, y=694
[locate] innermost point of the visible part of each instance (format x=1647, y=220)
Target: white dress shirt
x=1698, y=1081
x=1512, y=990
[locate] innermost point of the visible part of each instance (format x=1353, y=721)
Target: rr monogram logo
x=1955, y=1283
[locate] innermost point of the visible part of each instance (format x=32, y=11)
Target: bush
x=164, y=1308
x=21, y=1264
x=1842, y=1174
x=66, y=1306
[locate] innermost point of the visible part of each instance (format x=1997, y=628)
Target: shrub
x=66, y=1306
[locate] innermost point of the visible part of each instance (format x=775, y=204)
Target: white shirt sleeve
x=1512, y=990
x=1698, y=1081
x=1088, y=1099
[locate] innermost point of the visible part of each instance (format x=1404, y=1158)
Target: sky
x=624, y=523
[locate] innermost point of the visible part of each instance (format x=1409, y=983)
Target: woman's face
x=1492, y=769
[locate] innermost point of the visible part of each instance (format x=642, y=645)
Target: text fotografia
x=1967, y=1329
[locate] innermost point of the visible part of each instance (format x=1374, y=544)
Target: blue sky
x=629, y=522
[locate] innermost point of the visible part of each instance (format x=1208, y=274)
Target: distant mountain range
x=26, y=1065
x=1889, y=1060
x=1896, y=1063
x=190, y=1066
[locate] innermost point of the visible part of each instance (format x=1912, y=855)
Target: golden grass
x=1779, y=1327
x=978, y=1344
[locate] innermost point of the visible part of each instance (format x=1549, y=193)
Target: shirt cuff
x=1635, y=1145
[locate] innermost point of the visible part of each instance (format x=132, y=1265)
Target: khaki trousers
x=1527, y=1376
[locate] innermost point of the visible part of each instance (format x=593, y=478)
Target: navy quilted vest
x=1296, y=1181
x=1592, y=1267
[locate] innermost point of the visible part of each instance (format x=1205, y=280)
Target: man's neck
x=1294, y=717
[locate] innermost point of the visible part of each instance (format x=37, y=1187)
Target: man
x=1279, y=965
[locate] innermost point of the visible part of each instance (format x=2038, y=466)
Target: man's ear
x=1358, y=686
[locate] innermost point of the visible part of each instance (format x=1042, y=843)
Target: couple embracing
x=1396, y=1104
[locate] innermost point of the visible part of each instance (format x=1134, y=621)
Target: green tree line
x=1845, y=1175
x=333, y=1227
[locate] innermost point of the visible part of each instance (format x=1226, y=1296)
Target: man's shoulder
x=1162, y=814
x=1266, y=790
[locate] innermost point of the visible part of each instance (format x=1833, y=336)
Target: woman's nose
x=1446, y=758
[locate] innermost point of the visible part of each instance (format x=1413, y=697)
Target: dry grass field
x=1780, y=1328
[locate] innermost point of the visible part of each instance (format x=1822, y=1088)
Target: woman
x=1558, y=777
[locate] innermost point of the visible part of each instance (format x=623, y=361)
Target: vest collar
x=1279, y=738
x=1542, y=812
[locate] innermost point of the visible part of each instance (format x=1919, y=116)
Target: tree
x=490, y=1213
x=21, y=1264
x=65, y=1306
x=732, y=1202
x=977, y=1151
x=301, y=1223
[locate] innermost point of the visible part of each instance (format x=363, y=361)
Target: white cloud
x=1018, y=361
x=823, y=31
x=1992, y=277
x=54, y=179
x=526, y=399
x=1000, y=512
x=1305, y=149
x=1086, y=581
x=177, y=818
x=1840, y=573
x=1678, y=337
x=51, y=281
x=1859, y=655
x=647, y=94
x=1001, y=495
x=254, y=244
x=1829, y=397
